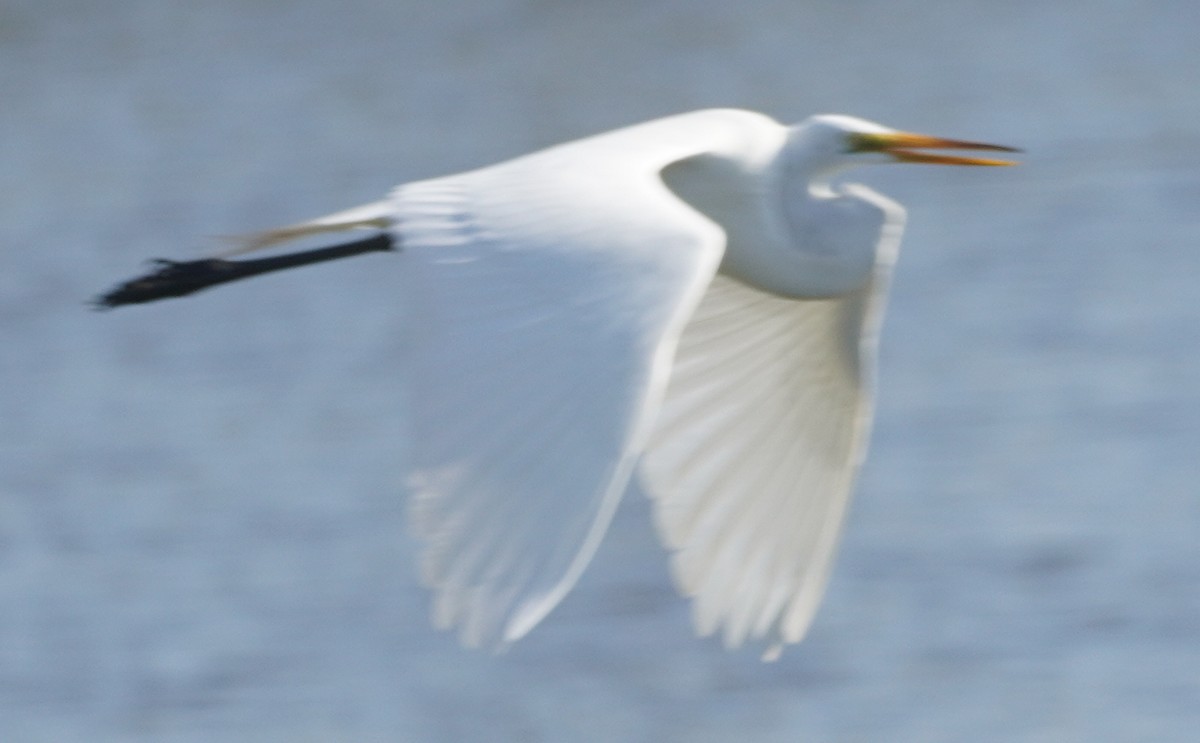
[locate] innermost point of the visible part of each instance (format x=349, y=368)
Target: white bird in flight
x=695, y=298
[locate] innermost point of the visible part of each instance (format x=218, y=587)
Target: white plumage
x=694, y=295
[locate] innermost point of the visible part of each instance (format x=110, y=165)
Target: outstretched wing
x=547, y=294
x=755, y=450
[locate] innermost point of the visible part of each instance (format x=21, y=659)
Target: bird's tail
x=374, y=215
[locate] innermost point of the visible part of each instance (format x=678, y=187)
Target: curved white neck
x=788, y=231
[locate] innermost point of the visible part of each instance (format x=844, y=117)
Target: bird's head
x=835, y=141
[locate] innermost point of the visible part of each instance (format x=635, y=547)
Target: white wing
x=755, y=451
x=548, y=293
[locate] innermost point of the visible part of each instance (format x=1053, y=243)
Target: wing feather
x=755, y=450
x=548, y=294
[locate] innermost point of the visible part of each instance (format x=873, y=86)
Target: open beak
x=905, y=147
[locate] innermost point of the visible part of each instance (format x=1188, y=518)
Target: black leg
x=180, y=278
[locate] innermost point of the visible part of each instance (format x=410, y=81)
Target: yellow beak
x=903, y=147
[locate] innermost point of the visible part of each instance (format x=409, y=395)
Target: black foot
x=170, y=279
x=180, y=278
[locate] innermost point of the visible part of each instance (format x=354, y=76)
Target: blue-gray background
x=202, y=532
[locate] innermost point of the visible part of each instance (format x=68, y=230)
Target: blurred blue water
x=201, y=534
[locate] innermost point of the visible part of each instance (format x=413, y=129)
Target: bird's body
x=693, y=294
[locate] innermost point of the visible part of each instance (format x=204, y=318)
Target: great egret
x=695, y=294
